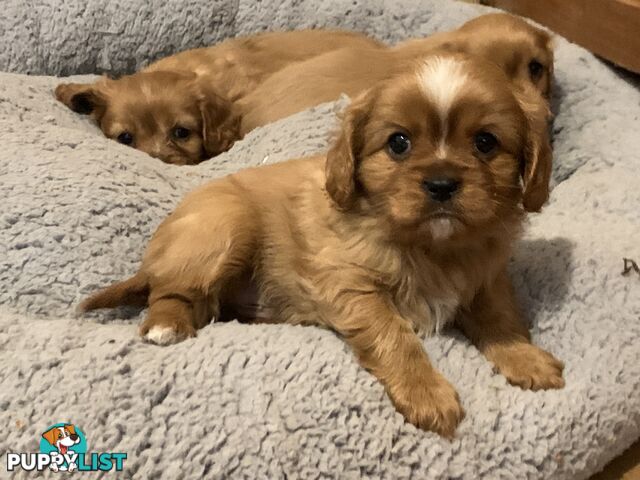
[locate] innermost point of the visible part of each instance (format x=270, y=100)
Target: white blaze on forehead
x=442, y=79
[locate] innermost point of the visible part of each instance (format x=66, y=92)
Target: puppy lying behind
x=179, y=109
x=523, y=51
x=406, y=225
x=178, y=117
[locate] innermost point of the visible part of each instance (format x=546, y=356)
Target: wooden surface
x=608, y=28
x=625, y=467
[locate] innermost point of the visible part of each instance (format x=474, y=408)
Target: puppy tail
x=133, y=291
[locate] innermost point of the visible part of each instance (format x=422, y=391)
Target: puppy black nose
x=441, y=189
x=73, y=437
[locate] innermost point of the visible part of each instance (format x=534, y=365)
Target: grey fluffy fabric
x=268, y=401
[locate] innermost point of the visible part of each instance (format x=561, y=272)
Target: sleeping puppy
x=521, y=50
x=179, y=109
x=406, y=225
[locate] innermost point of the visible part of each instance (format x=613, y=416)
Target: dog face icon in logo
x=64, y=439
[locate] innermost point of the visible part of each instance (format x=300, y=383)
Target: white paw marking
x=161, y=335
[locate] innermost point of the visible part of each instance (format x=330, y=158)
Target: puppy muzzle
x=441, y=189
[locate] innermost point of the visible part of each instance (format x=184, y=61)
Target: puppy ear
x=51, y=436
x=82, y=98
x=342, y=159
x=220, y=121
x=537, y=155
x=459, y=46
x=71, y=429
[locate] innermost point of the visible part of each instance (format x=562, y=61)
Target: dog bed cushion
x=277, y=401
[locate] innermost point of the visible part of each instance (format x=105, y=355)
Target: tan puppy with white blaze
x=407, y=224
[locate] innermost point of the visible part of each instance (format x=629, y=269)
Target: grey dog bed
x=273, y=401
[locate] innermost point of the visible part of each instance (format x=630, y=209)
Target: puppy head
x=448, y=149
x=522, y=51
x=66, y=435
x=172, y=116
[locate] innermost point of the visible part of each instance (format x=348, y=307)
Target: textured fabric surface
x=269, y=401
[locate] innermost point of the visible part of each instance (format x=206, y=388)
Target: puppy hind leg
x=188, y=275
x=169, y=320
x=177, y=311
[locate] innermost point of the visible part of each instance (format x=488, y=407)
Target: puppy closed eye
x=180, y=133
x=485, y=143
x=125, y=138
x=398, y=146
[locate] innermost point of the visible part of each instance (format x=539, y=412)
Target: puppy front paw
x=429, y=403
x=166, y=332
x=527, y=366
x=72, y=467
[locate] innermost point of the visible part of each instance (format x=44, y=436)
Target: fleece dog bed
x=280, y=401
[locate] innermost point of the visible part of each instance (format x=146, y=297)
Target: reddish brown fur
x=221, y=93
x=151, y=105
x=503, y=39
x=348, y=241
x=132, y=291
x=196, y=90
x=506, y=40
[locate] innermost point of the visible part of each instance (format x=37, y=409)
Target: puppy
x=522, y=51
x=406, y=225
x=176, y=117
x=62, y=438
x=180, y=109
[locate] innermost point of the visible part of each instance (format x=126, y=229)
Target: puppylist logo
x=63, y=448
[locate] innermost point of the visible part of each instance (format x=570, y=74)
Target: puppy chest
x=430, y=297
x=429, y=314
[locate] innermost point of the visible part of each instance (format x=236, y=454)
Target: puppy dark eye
x=181, y=133
x=535, y=69
x=125, y=138
x=485, y=142
x=398, y=145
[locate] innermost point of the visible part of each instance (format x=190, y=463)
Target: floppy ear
x=220, y=122
x=51, y=435
x=537, y=155
x=84, y=98
x=70, y=428
x=342, y=159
